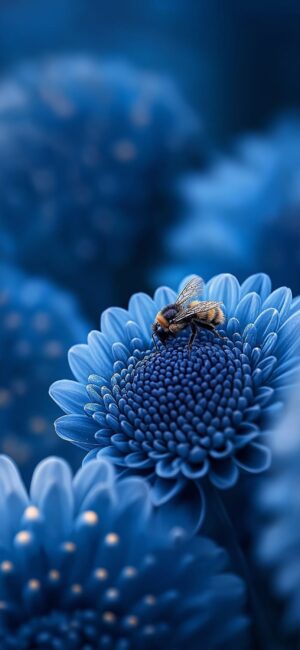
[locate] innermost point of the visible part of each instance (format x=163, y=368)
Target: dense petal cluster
x=177, y=415
x=243, y=215
x=276, y=538
x=83, y=566
x=89, y=155
x=38, y=323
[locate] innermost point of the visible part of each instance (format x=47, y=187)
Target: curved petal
x=254, y=458
x=223, y=473
x=189, y=508
x=224, y=287
x=101, y=352
x=260, y=283
x=164, y=296
x=77, y=428
x=81, y=362
x=113, y=324
x=69, y=395
x=143, y=310
x=281, y=300
x=248, y=309
x=163, y=490
x=266, y=322
x=98, y=472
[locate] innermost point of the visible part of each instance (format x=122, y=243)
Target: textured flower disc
x=177, y=416
x=84, y=566
x=38, y=323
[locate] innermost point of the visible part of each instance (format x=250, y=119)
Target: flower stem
x=263, y=640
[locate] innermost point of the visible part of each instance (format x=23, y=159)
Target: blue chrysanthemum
x=178, y=416
x=37, y=325
x=88, y=158
x=276, y=514
x=244, y=214
x=83, y=566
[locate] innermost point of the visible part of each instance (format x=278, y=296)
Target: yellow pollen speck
x=132, y=621
x=54, y=575
x=109, y=617
x=23, y=537
x=77, y=589
x=150, y=600
x=112, y=539
x=34, y=585
x=69, y=547
x=32, y=513
x=101, y=574
x=6, y=566
x=90, y=517
x=130, y=571
x=112, y=593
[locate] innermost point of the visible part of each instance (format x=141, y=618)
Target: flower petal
x=248, y=309
x=81, y=362
x=254, y=458
x=163, y=490
x=223, y=473
x=113, y=324
x=143, y=310
x=100, y=348
x=260, y=283
x=164, y=296
x=69, y=395
x=224, y=287
x=77, y=428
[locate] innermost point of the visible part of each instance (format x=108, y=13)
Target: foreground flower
x=176, y=416
x=38, y=324
x=89, y=155
x=276, y=514
x=84, y=566
x=243, y=214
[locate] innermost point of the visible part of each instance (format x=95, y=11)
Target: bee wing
x=192, y=289
x=196, y=310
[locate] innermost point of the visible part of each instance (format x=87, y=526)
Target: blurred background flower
x=37, y=325
x=83, y=565
x=275, y=523
x=89, y=155
x=244, y=213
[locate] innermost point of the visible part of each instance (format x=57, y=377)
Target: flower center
x=186, y=401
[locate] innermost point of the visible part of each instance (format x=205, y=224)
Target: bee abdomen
x=218, y=316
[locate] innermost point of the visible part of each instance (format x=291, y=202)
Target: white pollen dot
x=109, y=617
x=77, y=589
x=54, y=575
x=90, y=517
x=150, y=599
x=130, y=571
x=6, y=566
x=32, y=513
x=34, y=585
x=133, y=621
x=112, y=539
x=23, y=537
x=69, y=547
x=101, y=574
x=112, y=593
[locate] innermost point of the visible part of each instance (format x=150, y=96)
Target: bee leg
x=155, y=343
x=211, y=328
x=193, y=336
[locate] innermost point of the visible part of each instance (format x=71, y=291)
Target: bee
x=188, y=312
